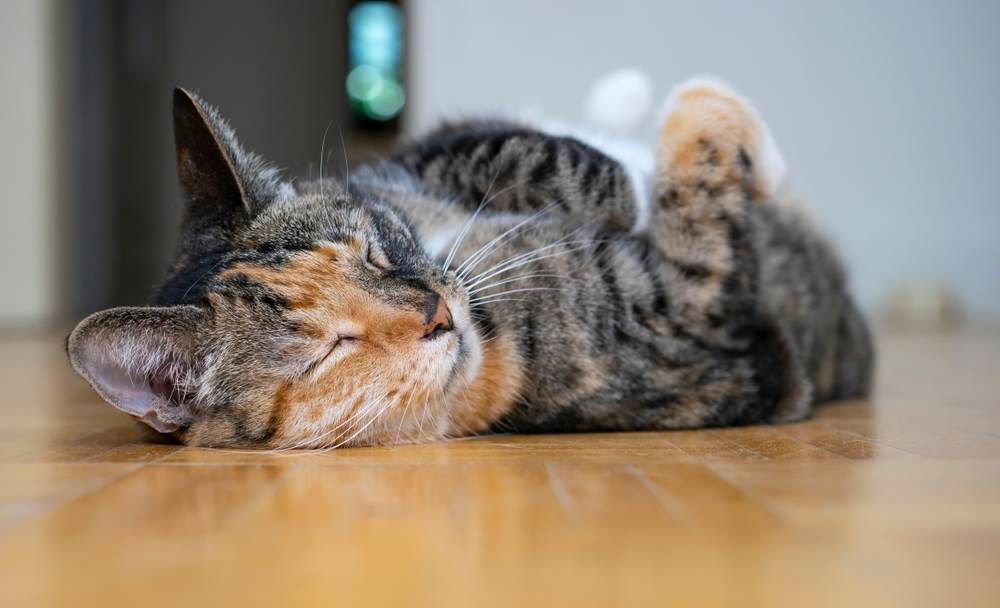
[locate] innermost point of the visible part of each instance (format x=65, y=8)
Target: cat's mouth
x=456, y=334
x=460, y=356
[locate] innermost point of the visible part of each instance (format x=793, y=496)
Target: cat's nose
x=438, y=320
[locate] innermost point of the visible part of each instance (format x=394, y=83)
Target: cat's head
x=307, y=318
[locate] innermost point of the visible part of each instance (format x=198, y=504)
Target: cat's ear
x=141, y=360
x=222, y=183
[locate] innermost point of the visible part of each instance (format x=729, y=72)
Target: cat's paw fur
x=704, y=124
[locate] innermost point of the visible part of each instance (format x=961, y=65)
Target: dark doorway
x=275, y=69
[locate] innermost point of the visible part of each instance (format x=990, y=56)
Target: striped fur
x=323, y=317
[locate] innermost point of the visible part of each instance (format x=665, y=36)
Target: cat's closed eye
x=340, y=347
x=376, y=258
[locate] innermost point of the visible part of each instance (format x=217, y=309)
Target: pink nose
x=440, y=320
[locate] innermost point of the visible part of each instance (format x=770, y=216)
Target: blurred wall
x=90, y=194
x=275, y=70
x=886, y=111
x=27, y=164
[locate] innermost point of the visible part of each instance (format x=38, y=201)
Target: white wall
x=27, y=178
x=887, y=111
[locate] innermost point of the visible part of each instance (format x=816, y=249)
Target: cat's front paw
x=712, y=138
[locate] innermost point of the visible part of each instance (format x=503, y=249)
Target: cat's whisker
x=308, y=441
x=429, y=409
x=402, y=417
x=198, y=280
x=355, y=419
x=517, y=263
x=423, y=418
x=484, y=251
x=522, y=290
x=475, y=258
x=347, y=164
x=349, y=421
x=439, y=404
x=501, y=300
x=469, y=222
x=507, y=263
x=469, y=265
x=322, y=154
x=378, y=414
x=561, y=240
x=491, y=333
x=465, y=230
x=522, y=277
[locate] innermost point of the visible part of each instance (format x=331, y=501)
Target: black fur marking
x=693, y=272
x=773, y=374
x=187, y=285
x=241, y=431
x=542, y=172
x=430, y=307
x=239, y=286
x=566, y=420
x=609, y=281
x=710, y=151
x=653, y=400
x=651, y=265
x=483, y=320
x=745, y=161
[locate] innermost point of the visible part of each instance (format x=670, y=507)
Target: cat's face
x=346, y=334
x=290, y=319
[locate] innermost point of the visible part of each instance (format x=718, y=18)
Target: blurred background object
x=375, y=60
x=925, y=306
x=885, y=112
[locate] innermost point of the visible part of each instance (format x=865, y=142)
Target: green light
x=374, y=86
x=364, y=83
x=387, y=101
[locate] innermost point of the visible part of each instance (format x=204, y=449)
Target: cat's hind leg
x=715, y=161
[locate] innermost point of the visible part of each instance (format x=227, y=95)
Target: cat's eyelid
x=374, y=256
x=343, y=331
x=335, y=347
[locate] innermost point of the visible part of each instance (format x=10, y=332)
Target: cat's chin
x=468, y=356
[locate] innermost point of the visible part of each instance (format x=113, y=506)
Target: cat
x=486, y=277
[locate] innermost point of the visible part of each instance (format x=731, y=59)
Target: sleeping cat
x=488, y=276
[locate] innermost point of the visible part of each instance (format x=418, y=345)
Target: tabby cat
x=486, y=277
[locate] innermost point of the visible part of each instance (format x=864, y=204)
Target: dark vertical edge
x=143, y=105
x=90, y=110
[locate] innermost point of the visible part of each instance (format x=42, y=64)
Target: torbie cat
x=578, y=297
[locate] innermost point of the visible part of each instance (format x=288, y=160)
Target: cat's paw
x=713, y=137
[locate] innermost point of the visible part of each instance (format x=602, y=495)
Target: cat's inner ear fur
x=142, y=361
x=221, y=181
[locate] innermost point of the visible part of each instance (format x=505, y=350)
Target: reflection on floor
x=893, y=502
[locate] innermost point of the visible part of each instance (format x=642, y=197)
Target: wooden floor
x=890, y=503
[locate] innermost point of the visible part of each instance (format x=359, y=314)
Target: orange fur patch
x=387, y=369
x=390, y=377
x=703, y=113
x=493, y=392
